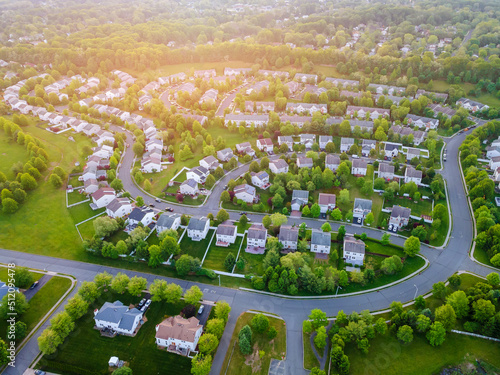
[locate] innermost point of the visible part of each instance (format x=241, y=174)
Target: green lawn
x=87, y=229
x=76, y=197
x=44, y=215
x=72, y=358
x=389, y=357
x=42, y=301
x=253, y=262
x=310, y=359
x=83, y=212
x=252, y=364
x=217, y=254
x=10, y=153
x=418, y=208
x=196, y=249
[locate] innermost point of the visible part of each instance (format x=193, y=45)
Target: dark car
x=151, y=205
x=34, y=285
x=243, y=213
x=169, y=209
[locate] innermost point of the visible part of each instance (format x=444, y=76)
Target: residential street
x=443, y=263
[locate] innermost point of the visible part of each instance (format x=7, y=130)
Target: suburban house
x=307, y=140
x=321, y=242
x=411, y=174
x=302, y=77
x=102, y=197
x=90, y=186
x=494, y=162
x=359, y=167
x=292, y=86
x=205, y=73
x=119, y=207
x=118, y=317
x=265, y=144
x=225, y=155
x=385, y=89
x=326, y=202
x=400, y=216
x=412, y=153
x=354, y=250
x=260, y=179
x=179, y=335
x=199, y=174
x=245, y=192
x=362, y=112
x=472, y=105
x=285, y=139
x=299, y=199
x=209, y=96
x=362, y=207
x=278, y=166
x=332, y=162
x=430, y=94
x=151, y=163
x=310, y=108
x=210, y=163
x=248, y=120
x=198, y=228
x=288, y=237
x=245, y=148
x=141, y=215
x=259, y=106
x=324, y=140
x=447, y=111
x=274, y=73
x=256, y=239
x=257, y=87
x=296, y=120
x=386, y=171
x=154, y=144
x=168, y=221
x=189, y=187
x=346, y=144
x=422, y=122
x=304, y=162
x=236, y=71
x=367, y=146
x=226, y=235
x=342, y=82
x=391, y=150
x=418, y=137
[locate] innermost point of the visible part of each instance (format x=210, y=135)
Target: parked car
x=146, y=305
x=40, y=372
x=140, y=304
x=200, y=310
x=169, y=209
x=34, y=285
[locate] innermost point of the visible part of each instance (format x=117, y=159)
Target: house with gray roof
x=285, y=139
x=332, y=162
x=326, y=202
x=256, y=239
x=346, y=144
x=199, y=174
x=412, y=153
x=324, y=140
x=386, y=171
x=299, y=199
x=289, y=237
x=209, y=163
x=225, y=154
x=321, y=242
x=296, y=119
x=359, y=167
x=198, y=228
x=260, y=179
x=362, y=207
x=248, y=120
x=413, y=175
x=304, y=162
x=354, y=250
x=168, y=221
x=307, y=139
x=400, y=216
x=141, y=215
x=225, y=234
x=367, y=146
x=189, y=187
x=245, y=192
x=278, y=166
x=119, y=207
x=118, y=317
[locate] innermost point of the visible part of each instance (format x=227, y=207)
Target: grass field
x=418, y=208
x=216, y=255
x=252, y=364
x=310, y=359
x=196, y=249
x=389, y=357
x=42, y=301
x=44, y=215
x=10, y=153
x=76, y=197
x=72, y=358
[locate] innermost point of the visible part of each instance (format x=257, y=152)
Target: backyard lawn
x=76, y=197
x=217, y=254
x=196, y=249
x=141, y=352
x=418, y=208
x=237, y=363
x=10, y=154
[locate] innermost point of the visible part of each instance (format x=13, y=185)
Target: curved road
x=443, y=263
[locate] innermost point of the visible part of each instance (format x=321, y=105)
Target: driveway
x=204, y=315
x=29, y=293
